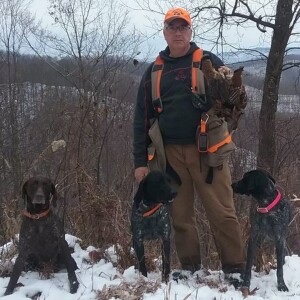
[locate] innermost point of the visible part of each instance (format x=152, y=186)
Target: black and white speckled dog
x=150, y=218
x=271, y=218
x=42, y=238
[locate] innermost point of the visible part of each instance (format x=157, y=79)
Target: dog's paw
x=181, y=275
x=234, y=279
x=165, y=278
x=74, y=284
x=282, y=287
x=36, y=296
x=8, y=292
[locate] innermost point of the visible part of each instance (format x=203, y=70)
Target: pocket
x=216, y=159
x=156, y=150
x=220, y=144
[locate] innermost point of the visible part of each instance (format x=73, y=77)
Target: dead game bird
x=227, y=91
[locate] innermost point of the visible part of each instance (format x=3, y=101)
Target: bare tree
x=13, y=30
x=95, y=44
x=14, y=23
x=91, y=48
x=274, y=20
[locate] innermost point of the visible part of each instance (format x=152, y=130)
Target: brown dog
x=41, y=239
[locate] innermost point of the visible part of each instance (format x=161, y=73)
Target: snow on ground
x=104, y=277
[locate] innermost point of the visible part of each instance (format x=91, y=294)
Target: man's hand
x=140, y=173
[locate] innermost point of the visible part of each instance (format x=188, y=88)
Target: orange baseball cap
x=178, y=13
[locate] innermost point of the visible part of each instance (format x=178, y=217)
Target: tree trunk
x=267, y=134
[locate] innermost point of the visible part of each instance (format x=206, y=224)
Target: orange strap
x=35, y=216
x=152, y=210
x=215, y=147
x=203, y=123
x=156, y=75
x=197, y=56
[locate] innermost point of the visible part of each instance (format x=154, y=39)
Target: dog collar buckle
x=262, y=210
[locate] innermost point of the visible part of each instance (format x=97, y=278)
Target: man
x=178, y=122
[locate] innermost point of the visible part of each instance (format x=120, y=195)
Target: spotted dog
x=150, y=218
x=271, y=219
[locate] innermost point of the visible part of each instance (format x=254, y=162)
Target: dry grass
x=213, y=284
x=46, y=271
x=129, y=291
x=6, y=256
x=11, y=219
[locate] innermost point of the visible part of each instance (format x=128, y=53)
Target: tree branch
x=290, y=65
x=297, y=15
x=221, y=11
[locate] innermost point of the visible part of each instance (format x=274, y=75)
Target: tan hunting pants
x=217, y=199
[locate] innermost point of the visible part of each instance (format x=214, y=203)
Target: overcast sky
x=247, y=38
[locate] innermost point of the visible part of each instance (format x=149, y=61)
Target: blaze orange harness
x=197, y=87
x=197, y=79
x=35, y=216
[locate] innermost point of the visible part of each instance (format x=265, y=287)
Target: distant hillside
x=289, y=83
x=34, y=69
x=253, y=54
x=254, y=62
x=287, y=103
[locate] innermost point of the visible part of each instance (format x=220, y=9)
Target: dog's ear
x=138, y=197
x=24, y=190
x=173, y=194
x=267, y=174
x=266, y=178
x=54, y=194
x=271, y=178
x=250, y=181
x=271, y=182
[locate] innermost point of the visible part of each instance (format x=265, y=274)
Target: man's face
x=178, y=34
